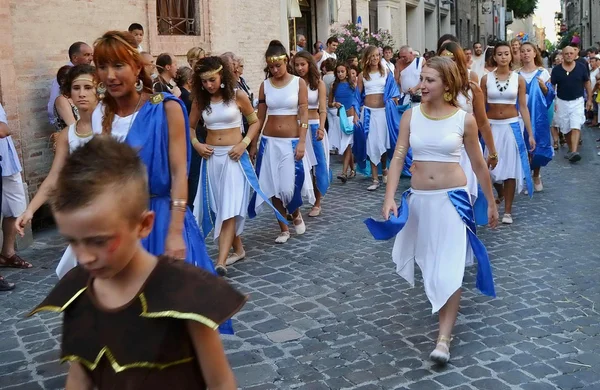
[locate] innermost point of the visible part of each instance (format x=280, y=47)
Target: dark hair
x=337, y=81
x=444, y=38
x=476, y=43
x=118, y=47
x=75, y=49
x=488, y=57
x=388, y=48
x=135, y=26
x=329, y=65
x=101, y=165
x=458, y=54
x=331, y=40
x=276, y=49
x=162, y=61
x=61, y=77
x=465, y=48
x=208, y=64
x=498, y=45
x=313, y=76
x=73, y=73
x=184, y=75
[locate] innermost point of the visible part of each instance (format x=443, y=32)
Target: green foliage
x=550, y=47
x=353, y=40
x=522, y=8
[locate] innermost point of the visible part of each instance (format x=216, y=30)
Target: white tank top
x=506, y=96
x=313, y=99
x=410, y=76
x=464, y=103
x=436, y=140
x=376, y=84
x=75, y=140
x=222, y=116
x=282, y=100
x=325, y=56
x=120, y=125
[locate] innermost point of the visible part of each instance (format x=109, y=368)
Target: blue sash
x=296, y=201
x=539, y=105
x=480, y=208
x=322, y=177
x=346, y=127
x=384, y=230
x=208, y=216
x=523, y=156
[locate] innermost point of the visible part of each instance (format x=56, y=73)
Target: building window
x=177, y=17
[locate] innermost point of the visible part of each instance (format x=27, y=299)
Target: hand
x=493, y=215
x=531, y=143
x=337, y=104
x=389, y=208
x=320, y=134
x=355, y=119
x=412, y=168
x=174, y=245
x=204, y=150
x=22, y=221
x=237, y=151
x=252, y=152
x=300, y=149
x=492, y=162
x=589, y=105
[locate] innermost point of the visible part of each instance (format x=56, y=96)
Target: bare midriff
x=313, y=113
x=435, y=175
x=282, y=126
x=374, y=101
x=502, y=111
x=225, y=137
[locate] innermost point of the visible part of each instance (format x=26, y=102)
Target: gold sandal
x=438, y=356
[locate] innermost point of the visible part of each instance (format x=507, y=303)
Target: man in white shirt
x=386, y=61
x=329, y=52
x=408, y=72
x=478, y=62
x=79, y=53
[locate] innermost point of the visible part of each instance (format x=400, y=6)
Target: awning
x=293, y=9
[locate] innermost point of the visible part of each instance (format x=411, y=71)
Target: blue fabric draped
x=322, y=176
x=539, y=105
x=523, y=156
x=149, y=134
x=208, y=216
x=480, y=207
x=385, y=230
x=296, y=201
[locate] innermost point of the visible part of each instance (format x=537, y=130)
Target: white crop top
x=507, y=96
x=75, y=140
x=313, y=99
x=436, y=140
x=282, y=100
x=376, y=85
x=222, y=116
x=464, y=103
x=120, y=126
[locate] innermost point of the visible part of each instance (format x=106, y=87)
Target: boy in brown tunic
x=131, y=320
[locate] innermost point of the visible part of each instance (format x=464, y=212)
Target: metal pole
x=354, y=11
x=439, y=22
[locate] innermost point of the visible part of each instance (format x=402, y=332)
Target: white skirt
x=378, y=140
x=333, y=130
x=67, y=262
x=509, y=162
x=228, y=191
x=277, y=172
x=310, y=151
x=436, y=238
x=337, y=138
x=465, y=164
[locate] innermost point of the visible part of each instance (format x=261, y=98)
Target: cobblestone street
x=327, y=310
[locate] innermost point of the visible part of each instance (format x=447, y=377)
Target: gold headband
x=277, y=58
x=210, y=73
x=85, y=78
x=447, y=53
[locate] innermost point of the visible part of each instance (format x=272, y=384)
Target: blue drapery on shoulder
x=539, y=108
x=149, y=134
x=384, y=230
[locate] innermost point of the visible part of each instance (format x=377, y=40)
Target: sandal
x=555, y=145
x=441, y=353
x=282, y=238
x=343, y=177
x=299, y=226
x=315, y=211
x=5, y=286
x=373, y=186
x=14, y=262
x=221, y=270
x=499, y=200
x=352, y=174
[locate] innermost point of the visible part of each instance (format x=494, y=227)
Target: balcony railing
x=176, y=26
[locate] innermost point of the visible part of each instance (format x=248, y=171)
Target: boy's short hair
x=103, y=164
x=163, y=60
x=135, y=26
x=388, y=48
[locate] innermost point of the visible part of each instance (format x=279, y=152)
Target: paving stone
x=284, y=335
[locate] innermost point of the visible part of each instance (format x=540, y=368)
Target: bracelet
x=493, y=156
x=180, y=204
x=195, y=141
x=304, y=125
x=246, y=141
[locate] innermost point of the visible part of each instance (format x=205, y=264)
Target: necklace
x=439, y=118
x=86, y=135
x=133, y=113
x=502, y=87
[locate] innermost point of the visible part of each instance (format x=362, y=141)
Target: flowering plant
x=354, y=39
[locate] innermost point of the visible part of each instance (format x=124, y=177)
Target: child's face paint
x=114, y=245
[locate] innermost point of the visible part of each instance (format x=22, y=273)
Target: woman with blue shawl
x=157, y=126
x=540, y=96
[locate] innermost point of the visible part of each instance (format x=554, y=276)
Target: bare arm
x=77, y=379
x=4, y=130
x=474, y=78
x=396, y=165
x=211, y=357
x=360, y=83
x=322, y=104
x=303, y=115
x=64, y=109
x=318, y=56
x=247, y=109
x=174, y=245
x=588, y=88
x=483, y=124
x=262, y=116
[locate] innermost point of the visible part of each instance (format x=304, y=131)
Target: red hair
x=118, y=47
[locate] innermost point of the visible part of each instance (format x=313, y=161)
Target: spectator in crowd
x=137, y=31
x=468, y=55
x=329, y=52
x=150, y=66
x=167, y=70
x=386, y=61
x=300, y=42
x=79, y=53
x=13, y=199
x=195, y=54
x=317, y=47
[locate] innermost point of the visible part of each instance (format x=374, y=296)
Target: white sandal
x=283, y=237
x=300, y=227
x=439, y=356
x=373, y=186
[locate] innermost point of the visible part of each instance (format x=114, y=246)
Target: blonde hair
x=195, y=53
x=365, y=62
x=450, y=75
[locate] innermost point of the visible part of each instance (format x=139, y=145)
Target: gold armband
x=401, y=152
x=493, y=156
x=179, y=204
x=195, y=141
x=246, y=141
x=304, y=125
x=252, y=118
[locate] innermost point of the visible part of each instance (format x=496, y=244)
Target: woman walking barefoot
x=434, y=226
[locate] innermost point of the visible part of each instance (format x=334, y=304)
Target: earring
x=139, y=85
x=101, y=90
x=447, y=97
x=222, y=86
